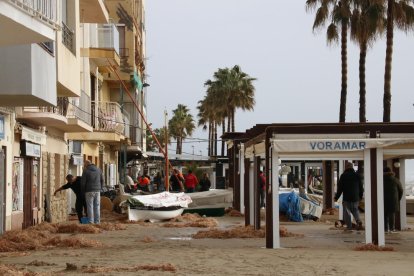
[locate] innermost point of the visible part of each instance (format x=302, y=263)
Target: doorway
x=2, y=187
x=30, y=192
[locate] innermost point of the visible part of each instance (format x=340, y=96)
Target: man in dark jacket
x=262, y=189
x=74, y=183
x=350, y=185
x=393, y=193
x=92, y=184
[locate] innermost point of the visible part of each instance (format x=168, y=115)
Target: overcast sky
x=272, y=40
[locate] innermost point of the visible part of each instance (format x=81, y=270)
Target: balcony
x=66, y=116
x=27, y=21
x=54, y=116
x=110, y=124
x=79, y=114
x=93, y=11
x=22, y=83
x=103, y=45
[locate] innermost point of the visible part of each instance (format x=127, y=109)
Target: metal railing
x=67, y=37
x=126, y=124
x=45, y=10
x=123, y=52
x=108, y=117
x=80, y=108
x=60, y=109
x=104, y=36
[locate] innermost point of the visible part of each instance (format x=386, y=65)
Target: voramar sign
x=337, y=145
x=334, y=145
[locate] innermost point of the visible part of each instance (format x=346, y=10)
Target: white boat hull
x=153, y=215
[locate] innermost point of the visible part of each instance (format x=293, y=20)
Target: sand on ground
x=322, y=250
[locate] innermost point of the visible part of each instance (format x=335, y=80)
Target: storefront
x=26, y=181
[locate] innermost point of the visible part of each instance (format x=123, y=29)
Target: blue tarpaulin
x=289, y=204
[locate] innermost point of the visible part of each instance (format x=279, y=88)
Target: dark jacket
x=92, y=179
x=205, y=184
x=350, y=185
x=75, y=186
x=393, y=193
x=175, y=183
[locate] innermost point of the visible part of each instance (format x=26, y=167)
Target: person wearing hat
x=393, y=192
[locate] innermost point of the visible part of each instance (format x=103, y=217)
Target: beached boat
x=156, y=207
x=210, y=203
x=154, y=214
x=308, y=206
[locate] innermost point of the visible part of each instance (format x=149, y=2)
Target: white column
x=251, y=190
x=275, y=197
x=367, y=184
x=403, y=201
x=241, y=176
x=306, y=178
x=380, y=196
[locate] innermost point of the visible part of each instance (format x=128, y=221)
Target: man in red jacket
x=191, y=182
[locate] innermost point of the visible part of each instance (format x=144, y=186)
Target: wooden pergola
x=376, y=144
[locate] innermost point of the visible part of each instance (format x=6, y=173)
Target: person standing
x=176, y=183
x=191, y=182
x=74, y=183
x=159, y=183
x=92, y=184
x=350, y=185
x=393, y=193
x=205, y=183
x=262, y=188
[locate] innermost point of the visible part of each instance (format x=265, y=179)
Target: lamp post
x=193, y=151
x=167, y=184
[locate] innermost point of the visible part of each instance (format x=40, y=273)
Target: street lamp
x=193, y=151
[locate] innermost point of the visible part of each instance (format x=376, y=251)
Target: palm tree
x=160, y=134
x=212, y=112
x=181, y=125
x=339, y=14
x=400, y=13
x=367, y=22
x=233, y=89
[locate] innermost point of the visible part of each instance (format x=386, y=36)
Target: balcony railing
x=60, y=109
x=126, y=124
x=104, y=36
x=45, y=10
x=108, y=117
x=67, y=37
x=80, y=108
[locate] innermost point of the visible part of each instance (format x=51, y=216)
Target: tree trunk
x=223, y=129
x=209, y=138
x=215, y=139
x=362, y=84
x=344, y=71
x=388, y=62
x=233, y=127
x=228, y=121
